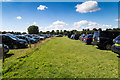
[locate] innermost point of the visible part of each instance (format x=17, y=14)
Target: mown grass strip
x=65, y=58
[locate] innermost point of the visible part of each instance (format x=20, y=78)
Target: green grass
x=61, y=58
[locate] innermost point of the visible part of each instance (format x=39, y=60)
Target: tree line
x=35, y=30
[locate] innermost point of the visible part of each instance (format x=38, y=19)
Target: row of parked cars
x=109, y=40
x=12, y=41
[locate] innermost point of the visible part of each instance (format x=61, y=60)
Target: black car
x=14, y=42
x=116, y=47
x=104, y=39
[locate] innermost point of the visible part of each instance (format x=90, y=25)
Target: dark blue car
x=88, y=38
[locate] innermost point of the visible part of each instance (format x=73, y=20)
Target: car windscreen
x=28, y=37
x=13, y=37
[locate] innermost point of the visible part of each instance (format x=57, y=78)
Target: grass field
x=61, y=58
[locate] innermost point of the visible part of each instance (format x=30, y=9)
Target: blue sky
x=57, y=0
x=17, y=16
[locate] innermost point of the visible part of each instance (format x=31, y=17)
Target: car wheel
x=108, y=47
x=15, y=46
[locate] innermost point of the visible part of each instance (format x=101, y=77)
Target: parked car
x=42, y=37
x=116, y=46
x=6, y=48
x=69, y=35
x=13, y=42
x=104, y=39
x=82, y=37
x=35, y=37
x=32, y=36
x=76, y=36
x=48, y=35
x=59, y=35
x=117, y=38
x=27, y=38
x=88, y=38
x=72, y=36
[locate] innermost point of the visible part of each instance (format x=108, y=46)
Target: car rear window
x=96, y=35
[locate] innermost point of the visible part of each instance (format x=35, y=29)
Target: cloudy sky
x=18, y=16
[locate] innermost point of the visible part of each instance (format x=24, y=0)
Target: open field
x=61, y=57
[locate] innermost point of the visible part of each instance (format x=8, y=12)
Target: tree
x=24, y=33
x=83, y=30
x=88, y=29
x=4, y=32
x=33, y=29
x=57, y=31
x=52, y=31
x=65, y=32
x=40, y=32
x=48, y=32
x=99, y=29
x=94, y=29
x=61, y=32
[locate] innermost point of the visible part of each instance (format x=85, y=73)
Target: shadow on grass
x=103, y=49
x=8, y=55
x=118, y=56
x=88, y=44
x=19, y=48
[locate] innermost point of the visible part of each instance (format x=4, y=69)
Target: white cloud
x=42, y=7
x=19, y=17
x=116, y=27
x=88, y=6
x=34, y=23
x=5, y=0
x=117, y=19
x=80, y=23
x=84, y=24
x=57, y=25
